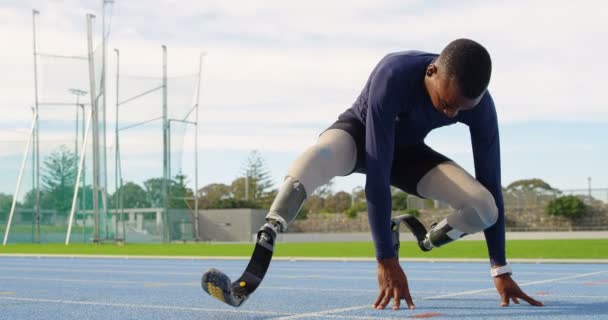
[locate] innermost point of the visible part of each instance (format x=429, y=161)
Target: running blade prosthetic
x=218, y=284
x=415, y=226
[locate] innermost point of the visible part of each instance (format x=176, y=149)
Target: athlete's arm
x=385, y=96
x=383, y=106
x=483, y=127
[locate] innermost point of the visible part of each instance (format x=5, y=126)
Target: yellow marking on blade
x=242, y=284
x=216, y=292
x=7, y=292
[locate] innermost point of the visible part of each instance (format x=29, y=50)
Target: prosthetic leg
x=283, y=211
x=440, y=234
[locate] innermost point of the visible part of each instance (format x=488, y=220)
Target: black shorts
x=410, y=163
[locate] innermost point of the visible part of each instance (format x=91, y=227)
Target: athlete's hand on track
x=509, y=290
x=393, y=285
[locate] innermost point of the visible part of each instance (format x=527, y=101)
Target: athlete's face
x=444, y=93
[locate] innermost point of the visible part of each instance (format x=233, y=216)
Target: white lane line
x=321, y=313
x=146, y=306
x=521, y=285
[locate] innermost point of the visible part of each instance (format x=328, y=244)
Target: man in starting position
x=407, y=95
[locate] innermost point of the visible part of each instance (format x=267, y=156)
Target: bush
x=566, y=206
x=351, y=212
x=413, y=212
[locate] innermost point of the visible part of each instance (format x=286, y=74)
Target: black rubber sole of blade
x=218, y=285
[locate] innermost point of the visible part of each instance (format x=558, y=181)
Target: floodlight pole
x=36, y=136
x=165, y=183
x=104, y=83
x=117, y=166
x=95, y=122
x=198, y=99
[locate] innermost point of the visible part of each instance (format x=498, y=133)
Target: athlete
x=407, y=95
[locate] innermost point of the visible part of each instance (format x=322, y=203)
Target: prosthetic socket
x=287, y=204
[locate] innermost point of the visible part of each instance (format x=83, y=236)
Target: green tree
x=212, y=194
x=314, y=204
x=257, y=176
x=181, y=195
x=534, y=184
x=6, y=201
x=399, y=201
x=58, y=178
x=338, y=202
x=567, y=206
x=133, y=196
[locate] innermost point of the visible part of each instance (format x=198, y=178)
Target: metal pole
x=117, y=148
x=36, y=157
x=198, y=99
x=75, y=198
x=83, y=201
x=95, y=123
x=104, y=83
x=21, y=169
x=165, y=151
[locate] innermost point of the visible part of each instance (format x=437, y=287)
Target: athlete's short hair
x=471, y=65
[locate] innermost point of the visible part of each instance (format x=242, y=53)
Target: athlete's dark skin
x=392, y=281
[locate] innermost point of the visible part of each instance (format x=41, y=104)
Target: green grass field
x=532, y=249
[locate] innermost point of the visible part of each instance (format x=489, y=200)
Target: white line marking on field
x=521, y=285
x=322, y=313
x=145, y=306
x=162, y=307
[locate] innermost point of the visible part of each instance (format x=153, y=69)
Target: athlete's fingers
x=505, y=300
x=530, y=300
x=396, y=299
x=408, y=300
x=380, y=297
x=385, y=300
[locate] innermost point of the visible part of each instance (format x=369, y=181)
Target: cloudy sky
x=276, y=73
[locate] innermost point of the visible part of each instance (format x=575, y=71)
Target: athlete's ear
x=431, y=70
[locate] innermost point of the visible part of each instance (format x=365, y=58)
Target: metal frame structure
x=166, y=128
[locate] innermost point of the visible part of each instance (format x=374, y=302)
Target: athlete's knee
x=484, y=205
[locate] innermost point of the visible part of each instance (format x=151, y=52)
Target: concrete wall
x=230, y=224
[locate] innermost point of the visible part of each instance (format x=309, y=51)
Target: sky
x=277, y=73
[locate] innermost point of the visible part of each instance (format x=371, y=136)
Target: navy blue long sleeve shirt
x=395, y=89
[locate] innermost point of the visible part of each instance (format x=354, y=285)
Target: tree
x=534, y=184
x=177, y=192
x=338, y=202
x=6, y=201
x=59, y=177
x=567, y=206
x=133, y=196
x=325, y=190
x=399, y=201
x=213, y=193
x=257, y=177
x=181, y=195
x=314, y=204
